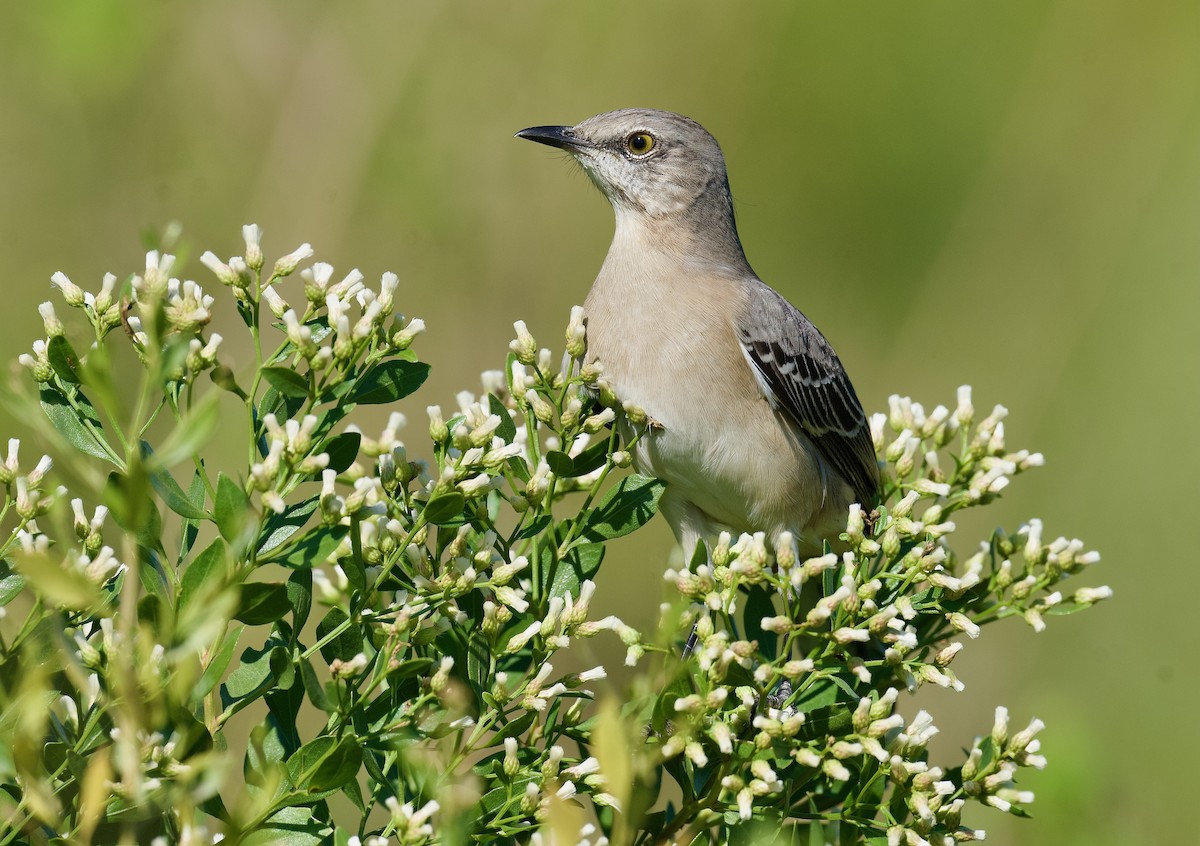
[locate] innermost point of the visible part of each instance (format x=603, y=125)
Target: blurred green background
x=1003, y=193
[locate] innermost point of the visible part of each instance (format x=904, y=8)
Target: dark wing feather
x=807, y=381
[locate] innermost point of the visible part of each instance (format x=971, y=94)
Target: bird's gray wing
x=801, y=374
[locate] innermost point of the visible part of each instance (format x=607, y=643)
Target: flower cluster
x=780, y=641
x=431, y=607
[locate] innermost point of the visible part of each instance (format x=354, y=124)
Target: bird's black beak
x=554, y=136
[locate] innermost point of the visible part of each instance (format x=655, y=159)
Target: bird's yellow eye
x=640, y=143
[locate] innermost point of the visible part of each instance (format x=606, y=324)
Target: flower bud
x=72, y=294
x=251, y=234
x=287, y=265
x=438, y=431
x=524, y=347
x=576, y=335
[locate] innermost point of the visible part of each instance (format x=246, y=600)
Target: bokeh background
x=1000, y=193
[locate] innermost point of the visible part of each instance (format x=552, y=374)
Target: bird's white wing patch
x=763, y=386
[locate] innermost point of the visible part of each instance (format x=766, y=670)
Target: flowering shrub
x=374, y=638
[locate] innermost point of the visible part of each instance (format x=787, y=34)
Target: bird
x=754, y=423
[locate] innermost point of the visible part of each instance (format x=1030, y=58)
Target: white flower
x=287, y=265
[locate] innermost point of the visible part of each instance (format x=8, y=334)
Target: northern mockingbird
x=756, y=424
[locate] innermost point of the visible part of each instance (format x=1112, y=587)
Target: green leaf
x=218, y=663
x=205, y=575
x=283, y=407
x=313, y=549
x=312, y=686
x=444, y=507
x=251, y=677
x=192, y=432
x=411, y=667
x=224, y=379
x=168, y=489
x=339, y=766
x=535, y=527
x=389, y=381
x=507, y=430
x=829, y=720
x=65, y=588
x=626, y=506
x=292, y=826
x=560, y=464
x=81, y=428
x=286, y=381
x=11, y=583
x=299, y=591
x=63, y=359
x=758, y=606
x=128, y=499
x=280, y=527
x=342, y=449
x=324, y=765
x=591, y=458
x=580, y=563
x=190, y=529
x=283, y=670
x=518, y=726
x=344, y=645
x=230, y=508
x=262, y=602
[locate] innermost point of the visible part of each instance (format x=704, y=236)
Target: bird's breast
x=714, y=437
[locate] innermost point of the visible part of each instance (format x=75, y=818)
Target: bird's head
x=647, y=162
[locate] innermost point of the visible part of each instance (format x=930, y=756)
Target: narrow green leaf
x=283, y=670
x=313, y=549
x=344, y=645
x=299, y=591
x=128, y=499
x=389, y=381
x=280, y=527
x=282, y=406
x=262, y=602
x=191, y=529
x=85, y=437
x=218, y=663
x=63, y=359
x=758, y=606
x=507, y=430
x=444, y=507
x=338, y=767
x=224, y=379
x=251, y=677
x=230, y=508
x=592, y=458
x=626, y=506
x=518, y=726
x=290, y=826
x=560, y=464
x=342, y=449
x=11, y=582
x=312, y=686
x=62, y=587
x=321, y=766
x=286, y=381
x=205, y=575
x=580, y=563
x=194, y=431
x=167, y=488
x=411, y=667
x=535, y=527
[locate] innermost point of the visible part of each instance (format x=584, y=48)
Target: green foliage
x=389, y=624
